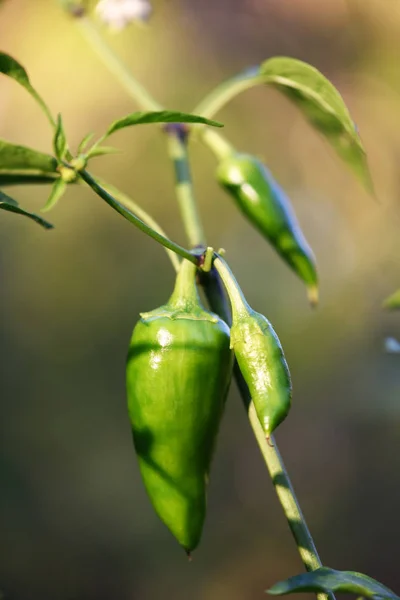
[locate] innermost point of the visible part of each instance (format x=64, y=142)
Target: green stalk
x=239, y=304
x=218, y=145
x=130, y=216
x=177, y=150
x=213, y=140
x=272, y=458
x=224, y=92
x=142, y=214
x=270, y=452
x=115, y=65
x=215, y=295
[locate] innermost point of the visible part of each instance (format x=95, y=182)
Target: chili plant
x=182, y=355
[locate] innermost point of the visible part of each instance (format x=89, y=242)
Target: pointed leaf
x=163, y=116
x=102, y=150
x=12, y=68
x=325, y=580
x=84, y=142
x=60, y=141
x=57, y=191
x=313, y=94
x=7, y=203
x=15, y=158
x=323, y=107
x=393, y=301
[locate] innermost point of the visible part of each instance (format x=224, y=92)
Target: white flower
x=392, y=345
x=119, y=13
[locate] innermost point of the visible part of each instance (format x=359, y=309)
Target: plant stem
x=130, y=216
x=136, y=90
x=116, y=66
x=218, y=145
x=211, y=281
x=177, y=150
x=217, y=300
x=239, y=305
x=227, y=90
x=141, y=213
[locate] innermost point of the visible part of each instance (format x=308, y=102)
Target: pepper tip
x=313, y=295
x=189, y=555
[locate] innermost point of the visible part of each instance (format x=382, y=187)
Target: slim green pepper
x=178, y=374
x=260, y=357
x=264, y=203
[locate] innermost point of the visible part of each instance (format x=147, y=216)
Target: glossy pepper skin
x=178, y=374
x=264, y=368
x=264, y=203
x=259, y=355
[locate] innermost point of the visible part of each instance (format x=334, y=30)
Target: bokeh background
x=75, y=522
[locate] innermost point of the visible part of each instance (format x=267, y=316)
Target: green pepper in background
x=179, y=369
x=259, y=354
x=264, y=203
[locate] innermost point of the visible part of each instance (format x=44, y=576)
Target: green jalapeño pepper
x=264, y=203
x=260, y=357
x=179, y=369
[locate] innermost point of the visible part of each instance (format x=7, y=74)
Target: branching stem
x=212, y=285
x=130, y=216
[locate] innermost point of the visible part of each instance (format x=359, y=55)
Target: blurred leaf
x=60, y=141
x=102, y=150
x=7, y=203
x=393, y=301
x=325, y=580
x=163, y=116
x=84, y=143
x=10, y=67
x=323, y=106
x=15, y=159
x=57, y=191
x=313, y=94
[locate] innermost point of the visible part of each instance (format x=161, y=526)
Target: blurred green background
x=75, y=522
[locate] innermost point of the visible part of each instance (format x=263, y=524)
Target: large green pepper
x=264, y=203
x=260, y=357
x=178, y=373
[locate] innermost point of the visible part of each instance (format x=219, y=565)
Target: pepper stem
x=240, y=307
x=273, y=460
x=185, y=292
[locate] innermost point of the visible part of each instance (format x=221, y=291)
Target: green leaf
x=102, y=150
x=163, y=116
x=323, y=107
x=313, y=94
x=393, y=301
x=57, y=191
x=325, y=580
x=21, y=165
x=84, y=143
x=12, y=68
x=7, y=203
x=60, y=141
x=21, y=158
